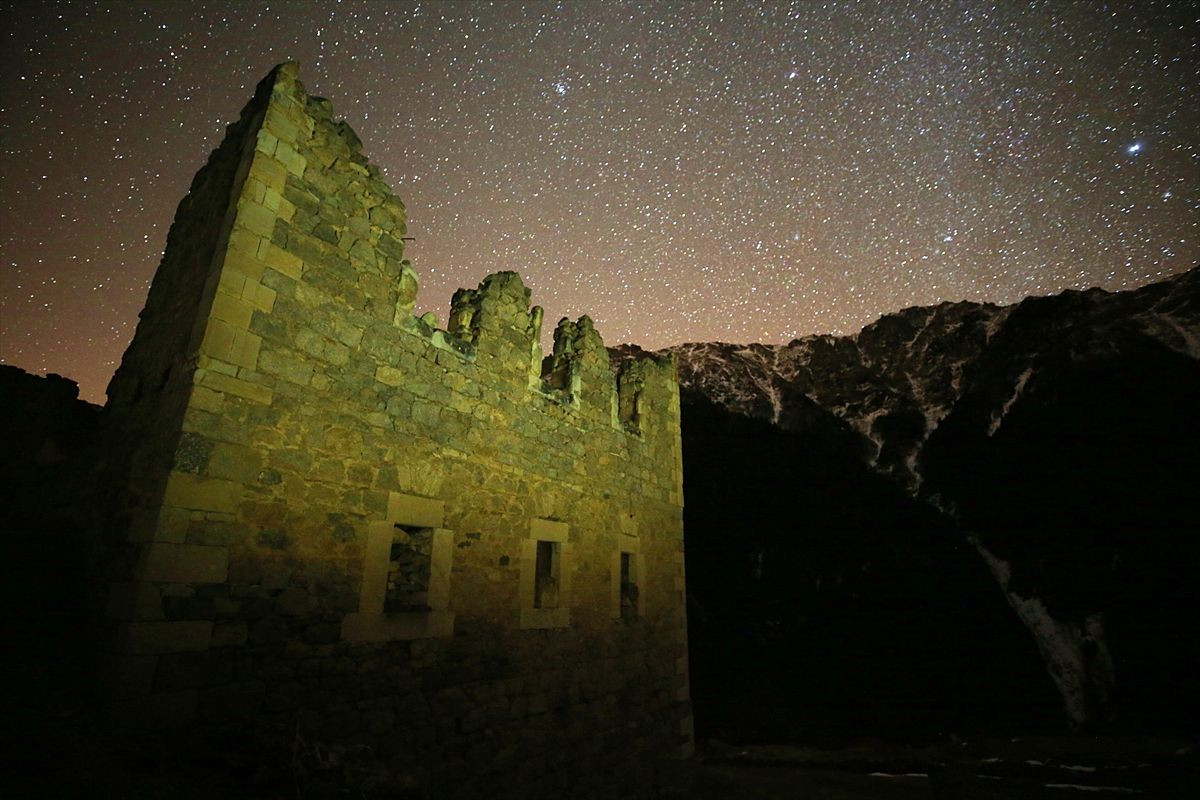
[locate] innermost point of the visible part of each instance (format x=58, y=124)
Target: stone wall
x=297, y=436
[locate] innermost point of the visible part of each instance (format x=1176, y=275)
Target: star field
x=680, y=172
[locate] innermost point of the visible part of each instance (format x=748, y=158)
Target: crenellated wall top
x=316, y=276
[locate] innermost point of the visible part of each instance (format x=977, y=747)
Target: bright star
x=560, y=88
x=1134, y=148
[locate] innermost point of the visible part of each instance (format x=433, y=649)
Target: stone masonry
x=321, y=511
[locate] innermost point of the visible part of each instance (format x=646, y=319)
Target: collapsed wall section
x=385, y=533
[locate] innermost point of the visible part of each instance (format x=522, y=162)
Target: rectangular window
x=546, y=569
x=405, y=584
x=629, y=588
x=547, y=565
x=627, y=580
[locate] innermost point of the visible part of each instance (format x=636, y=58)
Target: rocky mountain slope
x=1058, y=437
x=897, y=379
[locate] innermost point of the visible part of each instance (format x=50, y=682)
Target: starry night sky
x=680, y=172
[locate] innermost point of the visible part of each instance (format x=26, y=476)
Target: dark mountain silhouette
x=1052, y=444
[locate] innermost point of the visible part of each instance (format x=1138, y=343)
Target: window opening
x=546, y=575
x=629, y=589
x=409, y=569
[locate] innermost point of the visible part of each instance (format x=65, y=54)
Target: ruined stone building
x=328, y=513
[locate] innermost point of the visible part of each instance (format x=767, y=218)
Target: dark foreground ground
x=82, y=764
x=52, y=746
x=1010, y=769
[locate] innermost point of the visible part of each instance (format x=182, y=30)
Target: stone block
x=232, y=309
x=207, y=400
x=167, y=562
x=211, y=364
x=407, y=509
x=291, y=160
x=427, y=415
x=346, y=332
x=158, y=638
x=233, y=462
x=231, y=281
x=376, y=554
x=279, y=124
x=244, y=242
x=399, y=406
x=265, y=142
x=172, y=525
x=270, y=171
x=231, y=344
x=256, y=218
x=201, y=493
x=228, y=384
x=241, y=264
x=272, y=200
x=390, y=376
x=258, y=295
x=280, y=260
x=283, y=365
x=548, y=530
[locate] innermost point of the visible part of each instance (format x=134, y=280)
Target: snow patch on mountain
x=1172, y=332
x=1076, y=653
x=998, y=416
x=997, y=321
x=865, y=425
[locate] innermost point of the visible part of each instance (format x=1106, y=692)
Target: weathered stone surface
x=192, y=453
x=200, y=493
x=164, y=562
